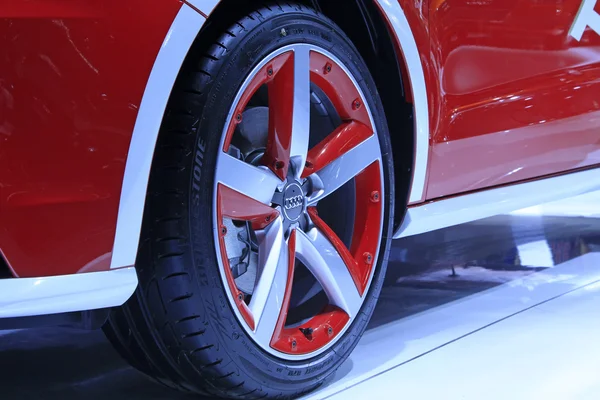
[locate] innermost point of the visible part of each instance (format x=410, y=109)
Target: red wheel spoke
x=342, y=140
x=236, y=206
x=346, y=167
x=359, y=275
x=360, y=258
x=339, y=87
x=289, y=115
x=265, y=75
x=281, y=108
x=279, y=340
x=368, y=218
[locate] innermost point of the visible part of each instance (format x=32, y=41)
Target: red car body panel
x=515, y=96
x=512, y=96
x=71, y=82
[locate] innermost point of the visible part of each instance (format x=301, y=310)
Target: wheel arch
x=179, y=40
x=369, y=27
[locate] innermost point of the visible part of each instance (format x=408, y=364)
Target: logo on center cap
x=293, y=201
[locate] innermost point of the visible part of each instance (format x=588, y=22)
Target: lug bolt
x=294, y=344
x=240, y=297
x=268, y=219
x=307, y=332
x=356, y=104
x=375, y=197
x=270, y=71
x=238, y=117
x=223, y=230
x=327, y=68
x=308, y=165
x=330, y=331
x=368, y=258
x=279, y=165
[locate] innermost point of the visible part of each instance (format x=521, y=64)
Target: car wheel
x=267, y=223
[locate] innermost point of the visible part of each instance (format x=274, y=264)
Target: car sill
x=487, y=203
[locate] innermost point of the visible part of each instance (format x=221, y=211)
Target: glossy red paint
x=343, y=139
x=367, y=224
x=342, y=91
x=338, y=86
x=280, y=340
x=281, y=66
x=516, y=97
x=281, y=110
x=50, y=9
x=351, y=263
x=512, y=98
x=346, y=99
x=238, y=207
x=71, y=84
x=360, y=258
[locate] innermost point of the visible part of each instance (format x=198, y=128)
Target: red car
x=220, y=181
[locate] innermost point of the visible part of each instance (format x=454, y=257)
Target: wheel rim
x=276, y=198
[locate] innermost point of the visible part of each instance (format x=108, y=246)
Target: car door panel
x=72, y=75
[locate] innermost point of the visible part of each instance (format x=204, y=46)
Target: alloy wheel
x=267, y=220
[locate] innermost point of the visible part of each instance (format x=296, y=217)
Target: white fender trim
x=408, y=45
x=162, y=78
x=26, y=297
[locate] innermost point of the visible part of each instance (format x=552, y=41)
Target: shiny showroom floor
x=503, y=308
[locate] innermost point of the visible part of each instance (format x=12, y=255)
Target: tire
x=186, y=326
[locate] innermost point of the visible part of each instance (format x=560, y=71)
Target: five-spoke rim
x=286, y=187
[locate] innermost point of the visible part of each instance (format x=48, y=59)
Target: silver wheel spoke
x=346, y=167
x=301, y=113
x=272, y=273
x=258, y=183
x=322, y=259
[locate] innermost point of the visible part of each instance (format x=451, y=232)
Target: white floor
x=533, y=338
x=548, y=352
x=534, y=335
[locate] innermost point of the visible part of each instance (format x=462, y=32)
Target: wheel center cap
x=293, y=201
